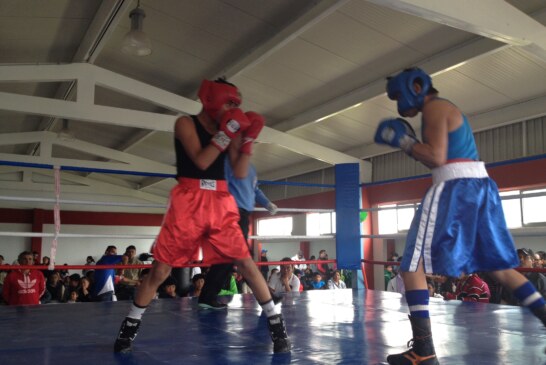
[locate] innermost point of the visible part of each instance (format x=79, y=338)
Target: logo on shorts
x=207, y=184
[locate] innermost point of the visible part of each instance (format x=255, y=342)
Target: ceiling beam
x=493, y=19
x=437, y=64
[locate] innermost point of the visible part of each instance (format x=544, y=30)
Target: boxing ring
x=325, y=327
x=351, y=326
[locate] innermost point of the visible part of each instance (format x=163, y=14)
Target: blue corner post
x=348, y=202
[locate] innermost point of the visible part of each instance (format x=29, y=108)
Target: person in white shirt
x=285, y=280
x=335, y=282
x=299, y=257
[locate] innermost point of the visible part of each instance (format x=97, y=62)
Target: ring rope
x=397, y=263
x=145, y=205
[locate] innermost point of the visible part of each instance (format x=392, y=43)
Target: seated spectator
x=317, y=282
x=264, y=269
x=542, y=262
x=432, y=290
x=526, y=259
x=446, y=285
x=55, y=287
x=198, y=281
x=335, y=282
x=396, y=284
x=73, y=296
x=84, y=293
x=167, y=290
x=74, y=281
x=299, y=275
x=471, y=288
x=285, y=280
x=3, y=274
x=23, y=287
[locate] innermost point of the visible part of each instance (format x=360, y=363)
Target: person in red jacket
x=24, y=287
x=471, y=288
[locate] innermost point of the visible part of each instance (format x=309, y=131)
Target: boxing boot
x=421, y=349
x=277, y=330
x=127, y=333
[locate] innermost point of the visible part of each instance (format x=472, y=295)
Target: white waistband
x=459, y=170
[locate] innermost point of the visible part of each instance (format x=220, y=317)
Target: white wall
x=11, y=247
x=74, y=251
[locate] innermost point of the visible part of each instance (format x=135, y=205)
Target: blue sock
x=418, y=303
x=528, y=296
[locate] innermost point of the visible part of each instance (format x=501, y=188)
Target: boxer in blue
x=459, y=226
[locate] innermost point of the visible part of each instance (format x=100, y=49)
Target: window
x=533, y=207
x=395, y=218
x=318, y=224
x=275, y=226
x=511, y=208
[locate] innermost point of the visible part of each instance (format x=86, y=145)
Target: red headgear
x=215, y=94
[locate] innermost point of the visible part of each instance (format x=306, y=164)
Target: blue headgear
x=401, y=87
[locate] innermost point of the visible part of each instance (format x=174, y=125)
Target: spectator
x=432, y=290
x=389, y=274
x=471, y=288
x=197, y=285
x=285, y=280
x=396, y=284
x=23, y=287
x=89, y=261
x=73, y=296
x=55, y=287
x=84, y=294
x=274, y=271
x=3, y=274
x=129, y=279
x=537, y=260
x=324, y=269
x=168, y=289
x=312, y=267
x=299, y=257
x=36, y=257
x=299, y=275
x=264, y=269
x=335, y=282
x=317, y=282
x=74, y=283
x=526, y=258
x=395, y=258
x=45, y=262
x=103, y=288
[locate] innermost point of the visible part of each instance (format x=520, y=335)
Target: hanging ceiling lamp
x=136, y=42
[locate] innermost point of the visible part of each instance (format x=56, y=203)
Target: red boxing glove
x=233, y=122
x=250, y=135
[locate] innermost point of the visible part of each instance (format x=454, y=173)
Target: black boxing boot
x=127, y=333
x=421, y=350
x=277, y=330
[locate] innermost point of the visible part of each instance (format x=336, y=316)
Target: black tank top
x=185, y=166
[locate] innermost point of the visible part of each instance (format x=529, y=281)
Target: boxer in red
x=201, y=211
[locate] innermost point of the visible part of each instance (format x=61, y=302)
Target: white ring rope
x=151, y=236
x=139, y=205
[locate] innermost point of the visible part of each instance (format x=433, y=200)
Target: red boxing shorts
x=201, y=213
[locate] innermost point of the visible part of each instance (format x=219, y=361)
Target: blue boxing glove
x=396, y=133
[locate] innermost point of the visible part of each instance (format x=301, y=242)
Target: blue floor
x=326, y=327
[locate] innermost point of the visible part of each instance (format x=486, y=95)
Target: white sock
x=136, y=312
x=270, y=309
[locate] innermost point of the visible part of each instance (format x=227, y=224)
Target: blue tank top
x=461, y=143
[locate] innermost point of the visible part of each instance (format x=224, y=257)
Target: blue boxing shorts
x=460, y=226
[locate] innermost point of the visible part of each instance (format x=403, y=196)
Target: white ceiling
x=315, y=69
